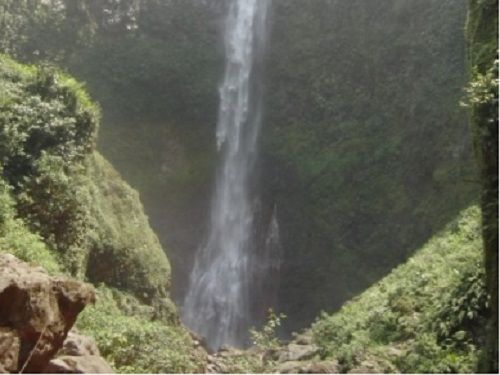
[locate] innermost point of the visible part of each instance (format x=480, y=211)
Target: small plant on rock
x=266, y=338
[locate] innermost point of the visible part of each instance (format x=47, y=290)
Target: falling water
x=218, y=302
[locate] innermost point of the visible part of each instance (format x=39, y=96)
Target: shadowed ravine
x=219, y=302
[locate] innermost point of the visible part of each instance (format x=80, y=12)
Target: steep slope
x=427, y=316
x=65, y=208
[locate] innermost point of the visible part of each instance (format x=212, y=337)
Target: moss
x=427, y=315
x=123, y=250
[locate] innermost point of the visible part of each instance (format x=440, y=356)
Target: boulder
x=309, y=367
x=86, y=364
x=10, y=346
x=79, y=345
x=36, y=313
x=294, y=352
x=290, y=367
x=303, y=339
x=323, y=367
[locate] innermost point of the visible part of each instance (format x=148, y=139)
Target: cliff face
x=366, y=148
x=482, y=39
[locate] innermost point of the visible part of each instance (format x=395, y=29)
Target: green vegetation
x=266, y=338
x=482, y=40
x=428, y=315
x=67, y=193
x=132, y=342
x=124, y=251
x=161, y=139
x=64, y=207
x=366, y=147
x=366, y=155
x=16, y=238
x=364, y=160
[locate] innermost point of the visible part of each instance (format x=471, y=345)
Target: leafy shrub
x=464, y=308
x=134, y=343
x=266, y=338
x=54, y=203
x=425, y=316
x=48, y=126
x=69, y=195
x=16, y=238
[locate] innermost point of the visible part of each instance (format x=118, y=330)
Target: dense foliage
x=47, y=127
x=69, y=196
x=134, y=343
x=428, y=315
x=64, y=207
x=367, y=148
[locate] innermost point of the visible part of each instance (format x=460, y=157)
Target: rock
x=211, y=368
x=79, y=345
x=303, y=339
x=322, y=367
x=363, y=369
x=199, y=341
x=309, y=367
x=37, y=309
x=86, y=364
x=270, y=355
x=9, y=350
x=294, y=352
x=229, y=352
x=290, y=367
x=396, y=352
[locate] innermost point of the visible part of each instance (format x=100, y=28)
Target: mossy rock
x=124, y=252
x=67, y=195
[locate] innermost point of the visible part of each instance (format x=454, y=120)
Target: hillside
x=65, y=208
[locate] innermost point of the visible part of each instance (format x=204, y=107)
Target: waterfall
x=219, y=297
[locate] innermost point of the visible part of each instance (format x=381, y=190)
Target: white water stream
x=218, y=302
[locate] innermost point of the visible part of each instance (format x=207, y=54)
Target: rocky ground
x=37, y=313
x=300, y=356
